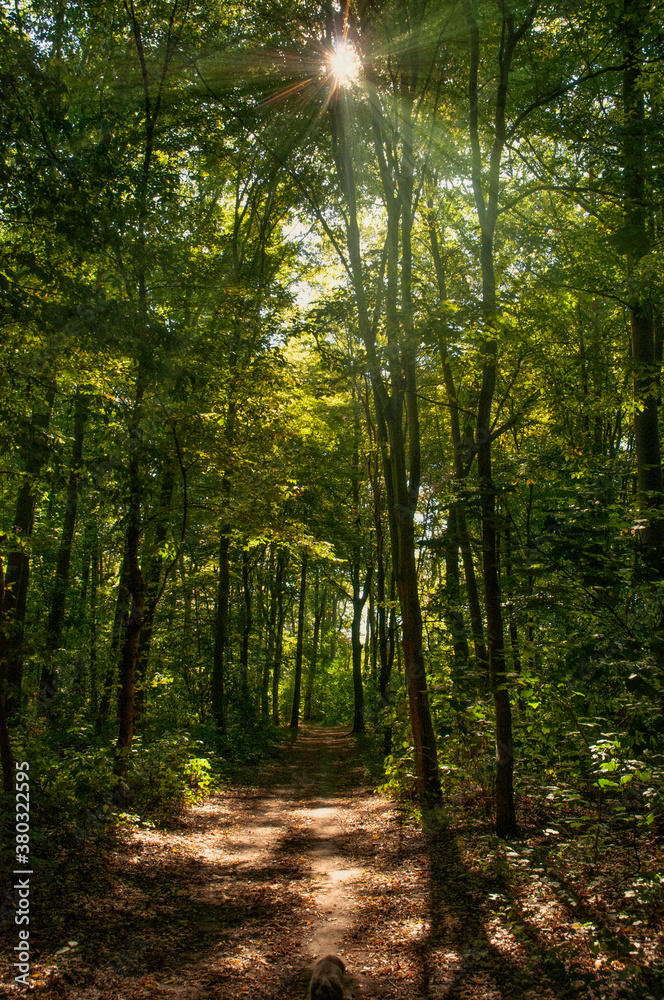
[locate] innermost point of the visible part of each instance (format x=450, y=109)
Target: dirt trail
x=307, y=815
x=243, y=895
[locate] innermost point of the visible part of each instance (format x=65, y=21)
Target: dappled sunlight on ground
x=244, y=893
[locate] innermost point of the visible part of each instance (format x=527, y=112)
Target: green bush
x=167, y=775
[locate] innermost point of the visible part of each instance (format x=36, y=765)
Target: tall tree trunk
x=247, y=625
x=356, y=647
x=49, y=678
x=132, y=631
x=461, y=451
x=221, y=632
x=282, y=562
x=487, y=212
x=270, y=625
x=392, y=648
x=120, y=618
x=371, y=655
x=295, y=714
x=509, y=607
x=424, y=739
x=359, y=600
x=333, y=627
x=188, y=600
x=473, y=595
x=359, y=596
x=646, y=357
x=319, y=613
x=396, y=405
x=89, y=540
x=17, y=575
x=153, y=588
x=92, y=630
x=453, y=593
x=222, y=614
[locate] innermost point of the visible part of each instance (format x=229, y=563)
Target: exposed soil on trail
x=242, y=896
x=248, y=890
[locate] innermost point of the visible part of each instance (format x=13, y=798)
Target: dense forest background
x=331, y=361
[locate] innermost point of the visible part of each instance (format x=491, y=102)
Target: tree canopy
x=331, y=357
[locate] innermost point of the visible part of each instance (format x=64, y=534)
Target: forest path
x=243, y=894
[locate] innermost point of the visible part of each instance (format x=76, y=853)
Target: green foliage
x=73, y=785
x=166, y=776
x=183, y=272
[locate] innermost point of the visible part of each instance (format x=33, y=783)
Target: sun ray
x=344, y=63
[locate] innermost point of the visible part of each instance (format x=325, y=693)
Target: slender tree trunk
x=487, y=211
x=122, y=606
x=92, y=630
x=356, y=646
x=319, y=613
x=282, y=563
x=359, y=597
x=247, y=625
x=359, y=601
x=154, y=583
x=397, y=405
x=129, y=648
x=295, y=714
x=188, y=600
x=461, y=468
x=17, y=575
x=646, y=359
x=333, y=627
x=473, y=595
x=453, y=593
x=271, y=625
x=89, y=537
x=392, y=647
x=509, y=607
x=371, y=655
x=222, y=615
x=221, y=632
x=130, y=645
x=424, y=739
x=506, y=825
x=49, y=677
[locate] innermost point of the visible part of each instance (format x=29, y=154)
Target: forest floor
x=242, y=895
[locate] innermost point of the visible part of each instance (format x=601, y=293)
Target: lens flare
x=344, y=64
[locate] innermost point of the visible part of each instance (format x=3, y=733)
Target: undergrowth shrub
x=73, y=785
x=169, y=774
